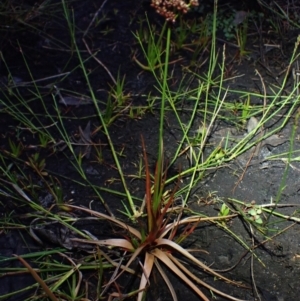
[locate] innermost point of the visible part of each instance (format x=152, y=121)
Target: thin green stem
x=160, y=163
x=135, y=213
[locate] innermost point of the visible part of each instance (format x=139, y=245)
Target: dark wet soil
x=40, y=47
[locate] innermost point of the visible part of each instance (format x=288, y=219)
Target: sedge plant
x=241, y=37
x=159, y=240
x=153, y=49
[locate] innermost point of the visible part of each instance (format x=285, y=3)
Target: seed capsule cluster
x=169, y=9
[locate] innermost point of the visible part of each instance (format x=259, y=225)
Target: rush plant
x=159, y=239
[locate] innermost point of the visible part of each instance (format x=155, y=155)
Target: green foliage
x=37, y=164
x=162, y=227
x=16, y=149
x=152, y=45
x=117, y=92
x=224, y=211
x=44, y=139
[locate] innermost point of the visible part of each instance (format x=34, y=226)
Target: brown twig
x=37, y=278
x=257, y=297
x=98, y=61
x=261, y=130
x=94, y=18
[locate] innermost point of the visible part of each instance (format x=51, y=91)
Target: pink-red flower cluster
x=171, y=8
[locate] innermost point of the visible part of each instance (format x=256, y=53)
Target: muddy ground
x=276, y=275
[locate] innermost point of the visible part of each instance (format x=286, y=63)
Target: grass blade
x=147, y=268
x=185, y=253
x=38, y=279
x=167, y=261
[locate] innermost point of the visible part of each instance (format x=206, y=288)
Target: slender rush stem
x=128, y=195
x=161, y=123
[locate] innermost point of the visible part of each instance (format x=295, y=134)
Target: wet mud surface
x=272, y=271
